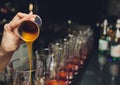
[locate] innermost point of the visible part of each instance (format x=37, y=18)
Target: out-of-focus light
x=13, y=10
x=3, y=21
x=30, y=7
x=7, y=4
x=97, y=24
x=70, y=35
x=65, y=39
x=69, y=21
x=3, y=10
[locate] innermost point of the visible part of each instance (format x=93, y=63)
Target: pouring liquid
x=29, y=33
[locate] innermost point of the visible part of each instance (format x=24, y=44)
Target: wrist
x=4, y=52
x=4, y=58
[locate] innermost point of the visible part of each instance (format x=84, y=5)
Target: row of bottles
x=109, y=50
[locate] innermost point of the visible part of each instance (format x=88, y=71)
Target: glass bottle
x=103, y=42
x=102, y=52
x=115, y=43
x=114, y=59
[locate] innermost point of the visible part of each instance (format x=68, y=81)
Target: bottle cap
x=105, y=22
x=118, y=23
x=117, y=33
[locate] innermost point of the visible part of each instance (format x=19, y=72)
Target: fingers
x=20, y=17
x=8, y=28
x=17, y=20
x=29, y=17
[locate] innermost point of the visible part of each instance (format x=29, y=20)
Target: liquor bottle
x=110, y=32
x=110, y=36
x=114, y=59
x=103, y=45
x=102, y=52
x=103, y=42
x=115, y=43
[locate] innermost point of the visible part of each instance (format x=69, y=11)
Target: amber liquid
x=29, y=33
x=55, y=82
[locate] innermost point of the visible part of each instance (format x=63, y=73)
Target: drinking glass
x=23, y=75
x=5, y=79
x=51, y=59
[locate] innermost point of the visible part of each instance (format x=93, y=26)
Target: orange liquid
x=28, y=31
x=69, y=65
x=76, y=63
x=30, y=59
x=29, y=38
x=62, y=74
x=55, y=82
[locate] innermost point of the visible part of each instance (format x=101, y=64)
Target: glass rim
x=37, y=26
x=21, y=71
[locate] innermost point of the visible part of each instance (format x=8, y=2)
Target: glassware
x=29, y=30
x=21, y=73
x=61, y=53
x=51, y=59
x=5, y=79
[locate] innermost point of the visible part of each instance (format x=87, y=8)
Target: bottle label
x=115, y=51
x=103, y=45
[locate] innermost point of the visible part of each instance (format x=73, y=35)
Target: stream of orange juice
x=29, y=38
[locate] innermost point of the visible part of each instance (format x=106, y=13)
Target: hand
x=10, y=40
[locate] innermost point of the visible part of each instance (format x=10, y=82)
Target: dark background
x=55, y=14
x=83, y=11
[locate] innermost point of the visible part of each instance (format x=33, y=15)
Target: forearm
x=4, y=58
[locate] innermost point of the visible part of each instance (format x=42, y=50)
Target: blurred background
x=82, y=11
x=57, y=15
x=61, y=17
